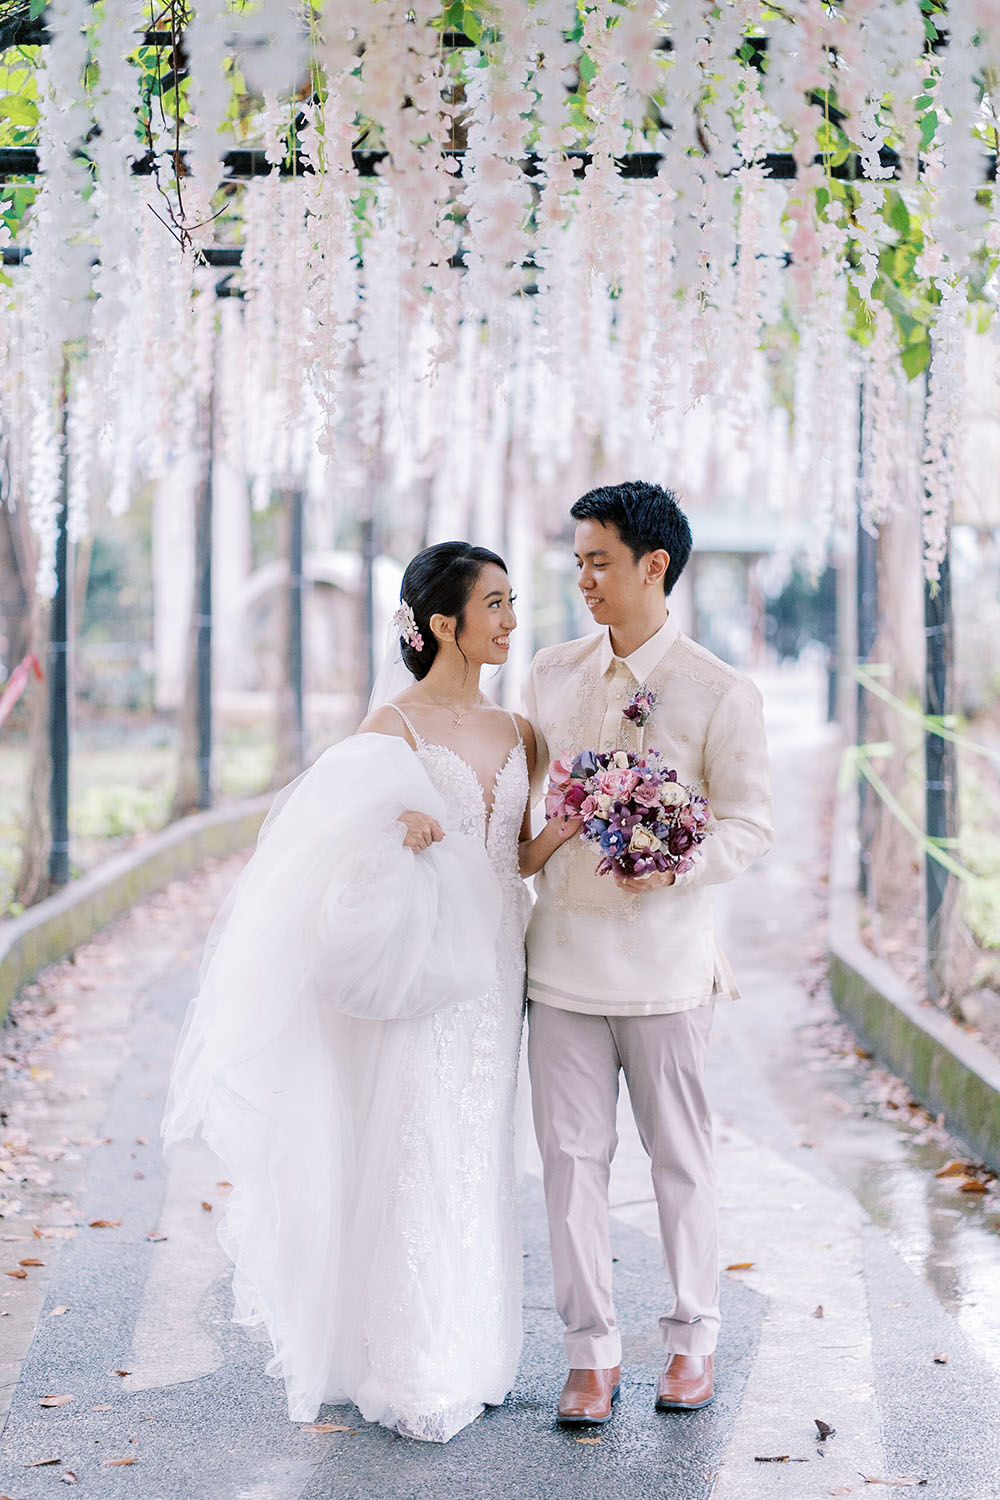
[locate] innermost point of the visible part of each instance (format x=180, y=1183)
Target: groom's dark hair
x=646, y=518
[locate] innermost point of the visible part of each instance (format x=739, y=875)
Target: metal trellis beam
x=243, y=164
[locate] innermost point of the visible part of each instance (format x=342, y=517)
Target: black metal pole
x=939, y=758
x=295, y=601
x=866, y=553
x=59, y=690
x=203, y=640
x=828, y=629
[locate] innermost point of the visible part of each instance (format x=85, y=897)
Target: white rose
x=672, y=794
x=604, y=802
x=620, y=760
x=642, y=841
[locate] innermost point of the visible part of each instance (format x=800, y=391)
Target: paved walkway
x=834, y=1207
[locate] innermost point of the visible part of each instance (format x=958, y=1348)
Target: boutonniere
x=640, y=705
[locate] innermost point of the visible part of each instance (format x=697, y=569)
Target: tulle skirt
x=351, y=1057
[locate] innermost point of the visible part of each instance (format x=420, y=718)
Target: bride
x=352, y=1052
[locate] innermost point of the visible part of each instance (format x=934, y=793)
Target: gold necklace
x=457, y=718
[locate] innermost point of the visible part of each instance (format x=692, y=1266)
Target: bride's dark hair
x=439, y=581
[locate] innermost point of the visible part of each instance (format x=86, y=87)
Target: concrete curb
x=56, y=926
x=948, y=1071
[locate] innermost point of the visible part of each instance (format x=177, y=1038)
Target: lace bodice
x=500, y=823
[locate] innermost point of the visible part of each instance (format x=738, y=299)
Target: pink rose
x=560, y=772
x=647, y=794
x=618, y=784
x=588, y=807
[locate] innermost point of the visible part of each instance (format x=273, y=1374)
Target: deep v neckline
x=487, y=811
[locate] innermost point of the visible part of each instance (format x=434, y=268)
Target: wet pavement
x=828, y=1197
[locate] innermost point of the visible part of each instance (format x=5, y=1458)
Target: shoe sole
x=589, y=1421
x=684, y=1405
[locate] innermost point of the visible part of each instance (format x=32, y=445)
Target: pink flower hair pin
x=640, y=705
x=404, y=622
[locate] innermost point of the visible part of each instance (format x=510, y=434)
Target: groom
x=623, y=976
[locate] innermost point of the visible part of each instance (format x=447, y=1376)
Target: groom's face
x=610, y=579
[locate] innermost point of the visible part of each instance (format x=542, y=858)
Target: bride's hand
x=421, y=831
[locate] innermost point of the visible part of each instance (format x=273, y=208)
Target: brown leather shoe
x=587, y=1396
x=686, y=1382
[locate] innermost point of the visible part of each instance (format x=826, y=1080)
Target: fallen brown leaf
x=588, y=1440
x=940, y=1359
x=741, y=1265
x=224, y=1184
x=40, y=1463
x=117, y=1463
x=104, y=1406
x=953, y=1169
x=206, y=1206
x=905, y=1481
x=67, y=1477
x=30, y=1260
x=141, y=1140
x=104, y=1223
x=56, y=1400
x=19, y=1274
x=57, y=1312
x=325, y=1427
x=780, y=1458
x=122, y=1372
x=972, y=1185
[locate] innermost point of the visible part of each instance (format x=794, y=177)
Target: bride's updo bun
x=439, y=581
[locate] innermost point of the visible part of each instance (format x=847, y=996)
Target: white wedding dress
x=374, y=1222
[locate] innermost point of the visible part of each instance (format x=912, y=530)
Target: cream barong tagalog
x=591, y=946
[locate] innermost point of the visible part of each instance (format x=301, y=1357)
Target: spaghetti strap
x=517, y=727
x=406, y=721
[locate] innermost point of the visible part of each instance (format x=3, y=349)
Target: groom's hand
x=655, y=881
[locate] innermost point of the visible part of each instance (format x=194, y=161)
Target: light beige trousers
x=574, y=1061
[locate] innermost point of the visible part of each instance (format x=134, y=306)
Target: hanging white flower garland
x=646, y=294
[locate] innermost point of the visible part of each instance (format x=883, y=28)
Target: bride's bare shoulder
x=384, y=720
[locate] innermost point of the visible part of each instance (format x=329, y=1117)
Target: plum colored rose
x=680, y=841
x=574, y=797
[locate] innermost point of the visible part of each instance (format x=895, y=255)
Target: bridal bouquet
x=633, y=806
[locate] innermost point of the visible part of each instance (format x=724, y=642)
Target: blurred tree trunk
x=32, y=882
x=15, y=591
x=189, y=789
x=33, y=876
x=192, y=791
x=896, y=861
x=289, y=737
